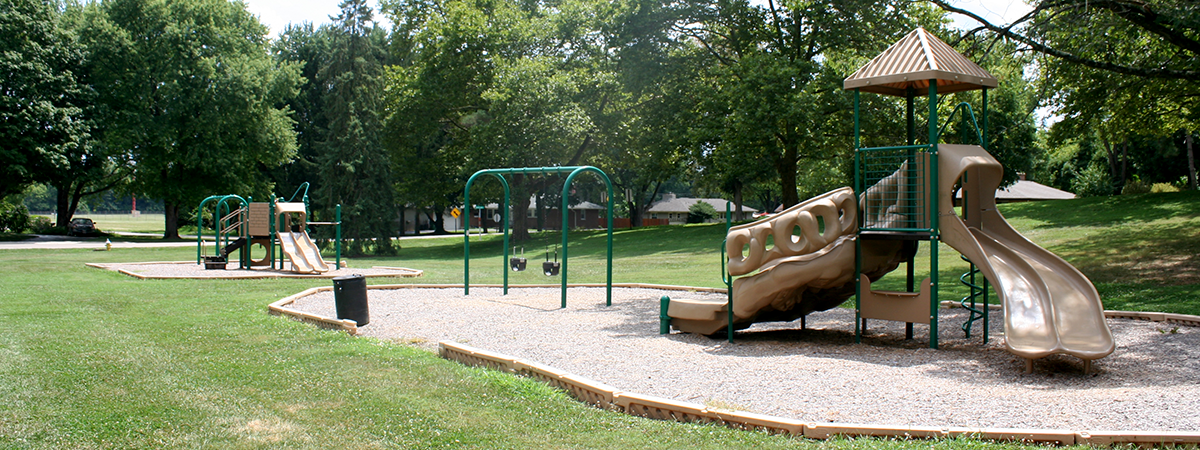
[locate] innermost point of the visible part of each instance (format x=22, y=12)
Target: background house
x=675, y=209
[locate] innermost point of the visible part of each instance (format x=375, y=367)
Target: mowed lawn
x=95, y=359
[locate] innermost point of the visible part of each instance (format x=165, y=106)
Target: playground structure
x=242, y=225
x=849, y=239
x=549, y=269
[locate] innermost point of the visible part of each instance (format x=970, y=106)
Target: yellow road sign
x=455, y=212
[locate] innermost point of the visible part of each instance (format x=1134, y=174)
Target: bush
x=1092, y=182
x=40, y=225
x=701, y=212
x=14, y=218
x=1159, y=188
x=1136, y=186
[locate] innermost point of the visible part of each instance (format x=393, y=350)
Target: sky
x=276, y=14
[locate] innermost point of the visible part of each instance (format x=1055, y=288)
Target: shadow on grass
x=1167, y=254
x=1106, y=211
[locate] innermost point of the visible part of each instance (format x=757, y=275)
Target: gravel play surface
x=1151, y=382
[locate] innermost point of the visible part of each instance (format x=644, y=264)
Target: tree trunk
x=1124, y=161
x=62, y=206
x=171, y=219
x=1191, y=161
x=520, y=209
x=786, y=166
x=737, y=202
x=635, y=214
x=439, y=221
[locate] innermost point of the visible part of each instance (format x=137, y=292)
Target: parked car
x=81, y=227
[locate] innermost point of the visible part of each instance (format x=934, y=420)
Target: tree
x=701, y=212
x=776, y=77
x=353, y=168
x=189, y=91
x=308, y=47
x=1135, y=73
x=42, y=100
x=498, y=84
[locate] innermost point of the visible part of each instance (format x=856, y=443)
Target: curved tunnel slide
x=1049, y=306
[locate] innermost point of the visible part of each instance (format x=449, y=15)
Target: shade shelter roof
x=912, y=62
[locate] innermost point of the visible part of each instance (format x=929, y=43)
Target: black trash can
x=350, y=297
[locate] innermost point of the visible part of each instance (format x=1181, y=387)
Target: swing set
x=518, y=263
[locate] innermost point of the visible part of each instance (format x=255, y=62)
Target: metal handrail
x=950, y=119
x=303, y=186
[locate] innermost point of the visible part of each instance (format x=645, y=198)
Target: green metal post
x=984, y=144
x=858, y=189
x=724, y=274
x=664, y=321
x=910, y=114
x=200, y=226
x=857, y=231
x=933, y=216
x=565, y=213
x=467, y=228
x=504, y=267
x=338, y=241
x=271, y=233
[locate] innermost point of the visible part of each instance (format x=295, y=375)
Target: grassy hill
x=95, y=359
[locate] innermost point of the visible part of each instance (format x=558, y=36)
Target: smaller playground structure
x=239, y=224
x=819, y=253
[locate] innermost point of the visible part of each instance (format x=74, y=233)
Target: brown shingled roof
x=912, y=62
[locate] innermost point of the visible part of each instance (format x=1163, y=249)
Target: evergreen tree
x=354, y=170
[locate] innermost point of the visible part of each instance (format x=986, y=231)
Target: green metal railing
x=892, y=182
x=573, y=171
x=223, y=214
x=725, y=276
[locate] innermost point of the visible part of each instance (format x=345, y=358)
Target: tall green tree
x=42, y=100
x=778, y=71
x=307, y=46
x=498, y=84
x=354, y=170
x=189, y=90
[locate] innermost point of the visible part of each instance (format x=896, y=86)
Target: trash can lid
x=348, y=277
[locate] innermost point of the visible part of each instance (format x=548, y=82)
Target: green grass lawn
x=95, y=359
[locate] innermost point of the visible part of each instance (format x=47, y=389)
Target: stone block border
x=607, y=397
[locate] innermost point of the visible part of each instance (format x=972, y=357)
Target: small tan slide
x=1049, y=306
x=302, y=252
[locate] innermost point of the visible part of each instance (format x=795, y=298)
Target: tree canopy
x=189, y=90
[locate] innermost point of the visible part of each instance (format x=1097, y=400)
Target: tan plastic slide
x=809, y=267
x=302, y=252
x=1049, y=306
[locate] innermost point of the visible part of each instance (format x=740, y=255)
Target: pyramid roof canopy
x=912, y=62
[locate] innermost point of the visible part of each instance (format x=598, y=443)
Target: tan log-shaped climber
x=836, y=212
